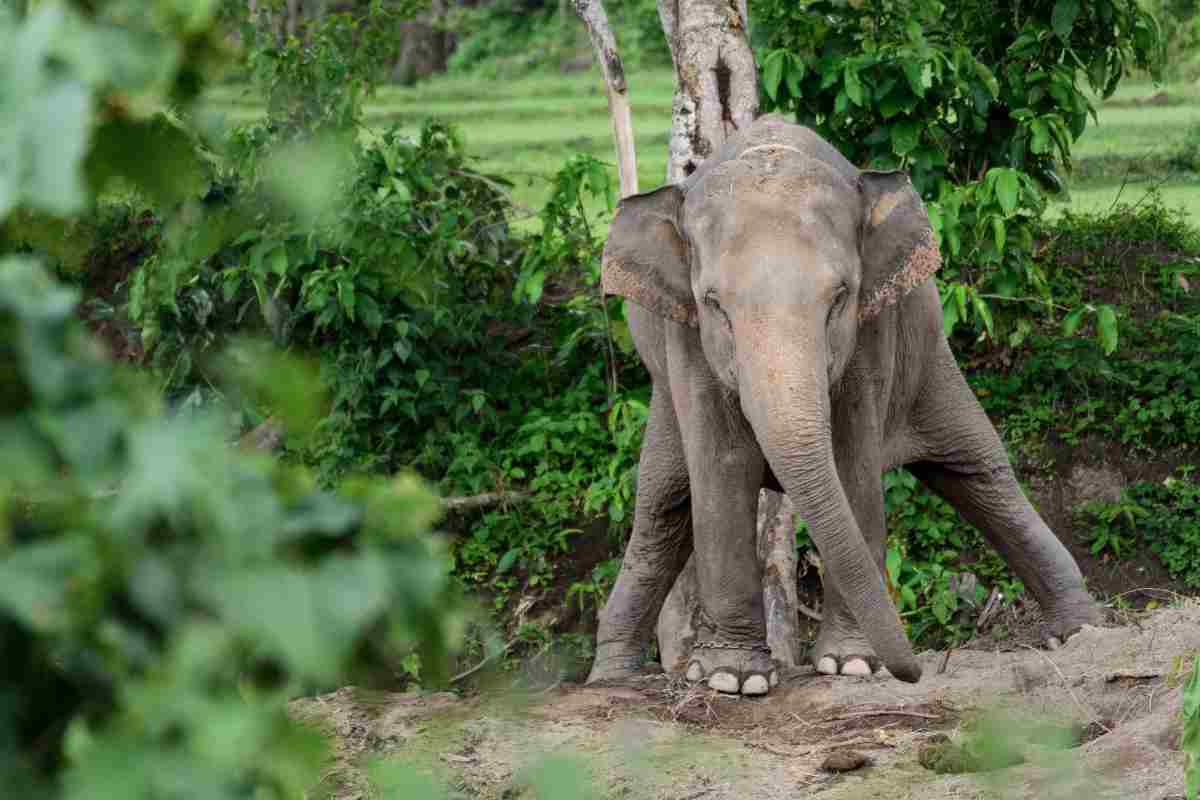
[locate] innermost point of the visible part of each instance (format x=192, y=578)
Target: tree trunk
x=716, y=81
x=716, y=94
x=605, y=47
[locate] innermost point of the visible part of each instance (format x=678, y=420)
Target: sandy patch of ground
x=1097, y=718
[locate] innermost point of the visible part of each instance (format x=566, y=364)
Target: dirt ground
x=1097, y=718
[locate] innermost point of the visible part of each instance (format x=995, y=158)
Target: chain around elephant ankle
x=753, y=648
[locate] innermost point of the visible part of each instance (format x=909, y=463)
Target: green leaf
x=1008, y=189
x=989, y=80
x=772, y=72
x=984, y=313
x=854, y=87
x=914, y=71
x=507, y=561
x=1106, y=328
x=1062, y=19
x=1040, y=141
x=1071, y=321
x=999, y=232
x=156, y=155
x=906, y=135
x=35, y=583
x=950, y=316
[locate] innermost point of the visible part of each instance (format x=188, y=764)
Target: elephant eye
x=710, y=299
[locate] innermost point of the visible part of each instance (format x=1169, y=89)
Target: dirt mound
x=1096, y=718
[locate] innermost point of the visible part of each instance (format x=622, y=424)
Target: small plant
x=594, y=591
x=1114, y=525
x=1162, y=516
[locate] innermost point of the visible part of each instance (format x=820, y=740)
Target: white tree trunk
x=605, y=46
x=716, y=94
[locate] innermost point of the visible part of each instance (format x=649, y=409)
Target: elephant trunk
x=786, y=400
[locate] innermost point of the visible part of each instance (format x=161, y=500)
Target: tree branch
x=605, y=46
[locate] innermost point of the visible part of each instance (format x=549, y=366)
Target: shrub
x=163, y=595
x=977, y=100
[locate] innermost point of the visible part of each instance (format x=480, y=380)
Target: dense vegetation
x=363, y=283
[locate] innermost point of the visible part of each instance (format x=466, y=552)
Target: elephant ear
x=899, y=251
x=645, y=258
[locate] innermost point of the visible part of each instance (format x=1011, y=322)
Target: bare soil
x=1097, y=718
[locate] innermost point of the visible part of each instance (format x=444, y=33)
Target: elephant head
x=781, y=253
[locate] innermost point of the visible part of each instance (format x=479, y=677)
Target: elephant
x=784, y=304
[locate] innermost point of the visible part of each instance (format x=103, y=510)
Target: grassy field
x=525, y=129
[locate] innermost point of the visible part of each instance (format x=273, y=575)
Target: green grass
x=1128, y=138
x=524, y=129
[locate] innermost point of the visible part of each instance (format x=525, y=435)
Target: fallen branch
x=486, y=500
x=881, y=713
x=462, y=676
x=596, y=21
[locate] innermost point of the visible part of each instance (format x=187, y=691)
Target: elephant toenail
x=774, y=678
x=755, y=685
x=857, y=667
x=724, y=681
x=1053, y=643
x=695, y=672
x=827, y=665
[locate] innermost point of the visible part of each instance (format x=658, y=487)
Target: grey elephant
x=784, y=305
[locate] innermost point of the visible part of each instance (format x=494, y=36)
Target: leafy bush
x=1162, y=516
x=164, y=595
x=977, y=100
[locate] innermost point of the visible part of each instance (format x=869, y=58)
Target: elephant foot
x=1067, y=617
x=733, y=669
x=615, y=665
x=844, y=653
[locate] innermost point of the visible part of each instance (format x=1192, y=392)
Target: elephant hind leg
x=658, y=548
x=965, y=462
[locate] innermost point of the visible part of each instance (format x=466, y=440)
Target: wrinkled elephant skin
x=784, y=304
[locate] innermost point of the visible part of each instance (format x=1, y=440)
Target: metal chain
x=754, y=648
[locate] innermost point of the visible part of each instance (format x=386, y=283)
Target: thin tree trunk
x=605, y=47
x=293, y=17
x=716, y=94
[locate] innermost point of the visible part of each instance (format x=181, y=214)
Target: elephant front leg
x=726, y=469
x=658, y=547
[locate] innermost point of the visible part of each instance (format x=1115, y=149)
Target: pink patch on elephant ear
x=922, y=261
x=637, y=286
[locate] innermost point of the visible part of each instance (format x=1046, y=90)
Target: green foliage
x=1190, y=743
x=1144, y=394
x=1180, y=22
x=164, y=595
x=64, y=62
x=512, y=37
x=978, y=101
x=320, y=77
x=1162, y=516
x=930, y=548
x=1114, y=526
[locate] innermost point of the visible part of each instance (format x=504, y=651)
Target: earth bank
x=1096, y=718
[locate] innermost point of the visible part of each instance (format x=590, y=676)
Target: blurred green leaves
x=44, y=118
x=201, y=587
